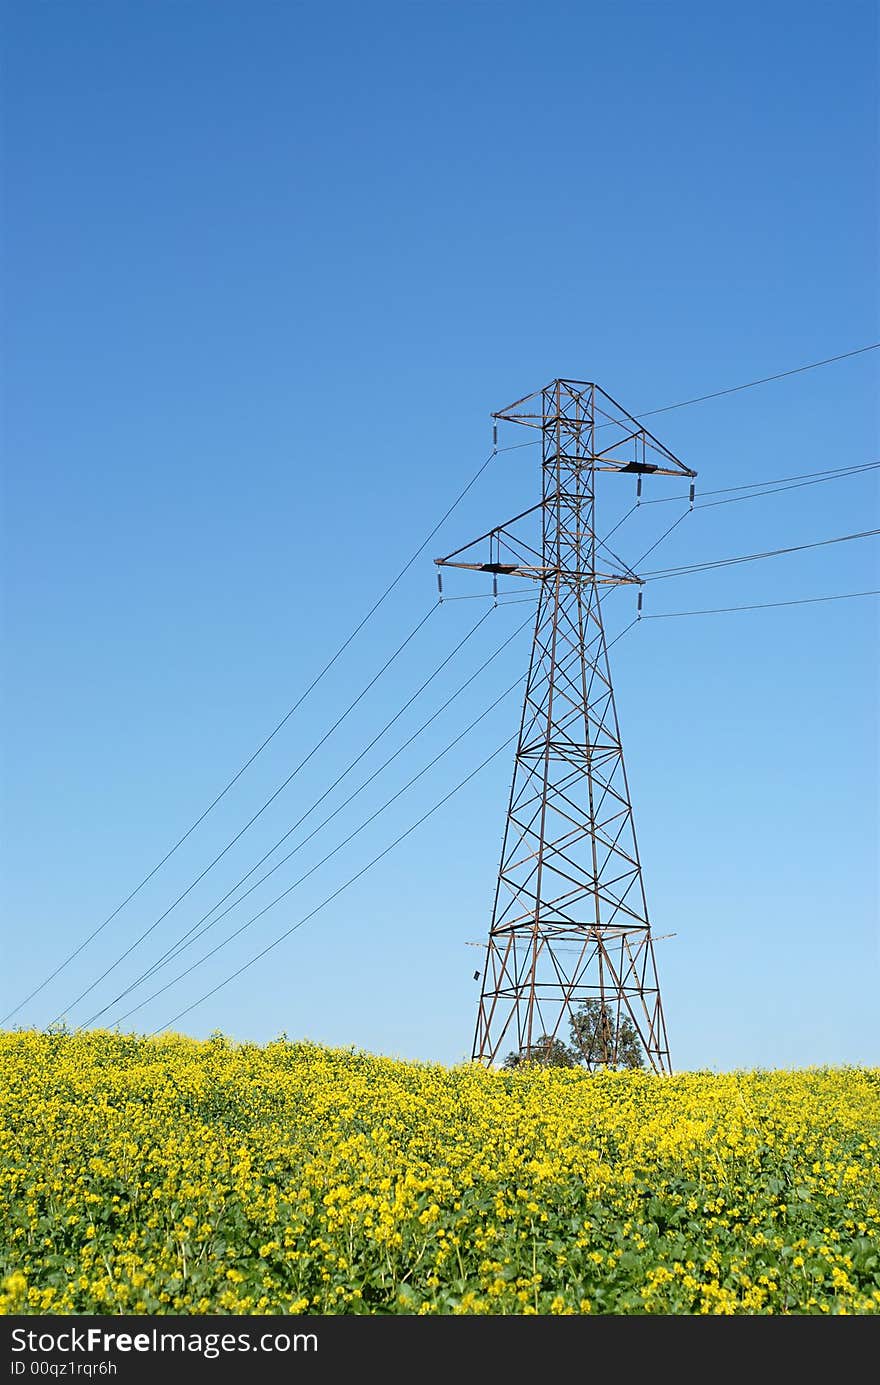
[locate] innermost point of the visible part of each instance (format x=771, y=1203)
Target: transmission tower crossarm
x=606, y=413
x=539, y=573
x=492, y=533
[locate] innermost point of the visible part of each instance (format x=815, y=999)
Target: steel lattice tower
x=570, y=920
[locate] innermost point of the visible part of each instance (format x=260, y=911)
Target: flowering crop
x=171, y=1176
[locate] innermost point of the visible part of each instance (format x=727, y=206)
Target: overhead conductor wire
x=196, y=931
x=260, y=748
x=336, y=893
x=662, y=573
x=495, y=450
x=271, y=799
x=339, y=846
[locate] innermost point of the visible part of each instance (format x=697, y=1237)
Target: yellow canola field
x=172, y=1176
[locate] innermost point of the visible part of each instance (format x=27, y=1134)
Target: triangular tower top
x=583, y=431
x=619, y=441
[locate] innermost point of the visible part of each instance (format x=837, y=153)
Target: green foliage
x=167, y=1176
x=545, y=1052
x=598, y=1040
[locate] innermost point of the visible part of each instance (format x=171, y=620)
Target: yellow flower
x=171, y=1176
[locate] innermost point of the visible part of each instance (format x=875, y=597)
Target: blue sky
x=267, y=271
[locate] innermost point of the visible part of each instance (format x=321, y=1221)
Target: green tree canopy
x=597, y=1040
x=544, y=1053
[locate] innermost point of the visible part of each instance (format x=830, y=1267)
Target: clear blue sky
x=267, y=271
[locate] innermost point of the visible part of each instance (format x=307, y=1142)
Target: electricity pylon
x=570, y=920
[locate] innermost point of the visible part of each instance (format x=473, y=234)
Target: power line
x=663, y=536
x=758, y=606
x=717, y=394
x=625, y=631
x=806, y=478
x=622, y=520
x=650, y=550
x=830, y=474
x=813, y=365
x=795, y=486
x=753, y=557
x=514, y=446
x=809, y=478
x=271, y=799
x=329, y=899
x=483, y=596
x=735, y=389
x=181, y=940
x=278, y=898
x=260, y=748
x=750, y=384
x=836, y=475
x=196, y=931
